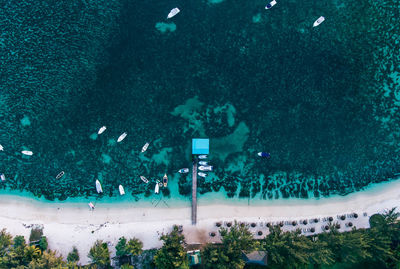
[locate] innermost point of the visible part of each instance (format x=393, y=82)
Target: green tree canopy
x=43, y=243
x=73, y=256
x=172, y=254
x=121, y=247
x=99, y=254
x=134, y=247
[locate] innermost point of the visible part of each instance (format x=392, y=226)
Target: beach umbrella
x=330, y=219
x=315, y=220
x=212, y=234
x=350, y=224
x=337, y=226
x=294, y=223
x=253, y=224
x=268, y=224
x=312, y=230
x=326, y=227
x=305, y=222
x=229, y=224
x=281, y=224
x=242, y=224
x=342, y=217
x=259, y=233
x=355, y=215
x=218, y=224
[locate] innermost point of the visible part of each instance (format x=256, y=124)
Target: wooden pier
x=194, y=193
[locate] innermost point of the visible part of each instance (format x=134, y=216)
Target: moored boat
x=173, y=13
x=203, y=156
x=205, y=168
x=165, y=180
x=99, y=189
x=27, y=152
x=1, y=148
x=122, y=137
x=203, y=163
x=60, y=175
x=264, y=154
x=202, y=174
x=121, y=190
x=3, y=177
x=156, y=188
x=183, y=170
x=101, y=130
x=91, y=205
x=271, y=4
x=145, y=180
x=319, y=21
x=144, y=148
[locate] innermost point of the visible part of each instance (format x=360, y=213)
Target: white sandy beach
x=73, y=224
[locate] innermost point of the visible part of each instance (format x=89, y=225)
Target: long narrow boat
x=205, y=168
x=27, y=152
x=121, y=190
x=203, y=156
x=145, y=180
x=145, y=147
x=60, y=175
x=203, y=163
x=156, y=188
x=202, y=174
x=165, y=180
x=101, y=130
x=3, y=177
x=1, y=148
x=99, y=189
x=122, y=137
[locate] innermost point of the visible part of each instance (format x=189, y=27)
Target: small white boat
x=60, y=175
x=203, y=163
x=202, y=174
x=203, y=156
x=205, y=168
x=99, y=189
x=145, y=147
x=3, y=177
x=183, y=170
x=271, y=4
x=1, y=148
x=264, y=154
x=101, y=130
x=145, y=180
x=91, y=205
x=165, y=180
x=319, y=21
x=157, y=188
x=122, y=137
x=173, y=13
x=27, y=152
x=121, y=190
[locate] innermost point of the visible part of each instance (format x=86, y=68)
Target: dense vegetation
x=377, y=247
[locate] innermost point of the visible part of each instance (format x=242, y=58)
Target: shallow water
x=323, y=101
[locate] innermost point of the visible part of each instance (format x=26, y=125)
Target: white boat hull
x=145, y=180
x=122, y=137
x=91, y=205
x=145, y=147
x=101, y=130
x=27, y=152
x=271, y=4
x=99, y=189
x=3, y=177
x=202, y=174
x=203, y=156
x=1, y=148
x=121, y=190
x=184, y=170
x=205, y=168
x=157, y=188
x=173, y=13
x=319, y=21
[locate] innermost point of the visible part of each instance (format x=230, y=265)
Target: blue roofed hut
x=200, y=146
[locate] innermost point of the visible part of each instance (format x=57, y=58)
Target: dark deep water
x=323, y=101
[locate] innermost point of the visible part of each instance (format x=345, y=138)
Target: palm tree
x=73, y=256
x=121, y=247
x=5, y=241
x=31, y=253
x=172, y=254
x=99, y=254
x=49, y=259
x=134, y=247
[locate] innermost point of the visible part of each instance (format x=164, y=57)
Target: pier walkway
x=194, y=193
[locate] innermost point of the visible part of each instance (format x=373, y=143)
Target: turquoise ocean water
x=323, y=101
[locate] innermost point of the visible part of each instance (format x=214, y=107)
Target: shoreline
x=67, y=224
